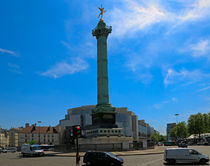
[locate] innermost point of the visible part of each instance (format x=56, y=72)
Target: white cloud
x=163, y=103
x=64, y=68
x=173, y=76
x=198, y=10
x=156, y=106
x=15, y=71
x=174, y=99
x=204, y=89
x=14, y=68
x=13, y=65
x=133, y=16
x=66, y=45
x=8, y=52
x=201, y=48
x=78, y=64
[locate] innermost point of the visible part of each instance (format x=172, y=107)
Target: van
x=184, y=155
x=31, y=150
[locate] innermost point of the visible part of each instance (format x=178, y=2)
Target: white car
x=184, y=155
x=31, y=150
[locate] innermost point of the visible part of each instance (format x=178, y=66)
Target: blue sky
x=158, y=55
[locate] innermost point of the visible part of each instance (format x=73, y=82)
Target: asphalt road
x=14, y=159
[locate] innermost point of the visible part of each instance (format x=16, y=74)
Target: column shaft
x=102, y=71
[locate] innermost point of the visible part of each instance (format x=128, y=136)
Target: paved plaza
x=139, y=158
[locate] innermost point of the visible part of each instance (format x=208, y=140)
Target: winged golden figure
x=102, y=12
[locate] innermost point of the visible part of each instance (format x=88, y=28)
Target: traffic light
x=77, y=131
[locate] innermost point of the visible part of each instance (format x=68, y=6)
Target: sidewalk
x=156, y=150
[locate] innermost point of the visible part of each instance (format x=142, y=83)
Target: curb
x=141, y=154
x=136, y=154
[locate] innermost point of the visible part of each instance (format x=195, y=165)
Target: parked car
x=102, y=158
x=184, y=155
x=1, y=150
x=182, y=144
x=4, y=150
x=160, y=144
x=200, y=143
x=11, y=149
x=31, y=150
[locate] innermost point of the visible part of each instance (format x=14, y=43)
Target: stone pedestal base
x=111, y=143
x=104, y=116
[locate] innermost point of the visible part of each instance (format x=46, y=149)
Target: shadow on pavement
x=186, y=164
x=97, y=165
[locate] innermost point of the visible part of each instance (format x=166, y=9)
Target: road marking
x=150, y=162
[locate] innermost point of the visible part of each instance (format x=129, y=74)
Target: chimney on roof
x=26, y=125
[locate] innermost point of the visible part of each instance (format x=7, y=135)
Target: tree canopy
x=199, y=123
x=156, y=137
x=179, y=131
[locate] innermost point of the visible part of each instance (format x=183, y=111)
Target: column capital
x=101, y=30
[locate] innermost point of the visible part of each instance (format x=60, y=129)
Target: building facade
x=13, y=137
x=142, y=129
x=168, y=129
x=4, y=138
x=39, y=135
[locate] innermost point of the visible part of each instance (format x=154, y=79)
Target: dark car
x=102, y=158
x=182, y=144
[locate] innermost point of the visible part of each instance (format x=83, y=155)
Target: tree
x=191, y=125
x=162, y=138
x=156, y=137
x=196, y=124
x=31, y=142
x=206, y=123
x=173, y=132
x=179, y=131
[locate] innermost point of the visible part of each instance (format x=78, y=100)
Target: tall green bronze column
x=104, y=114
x=101, y=32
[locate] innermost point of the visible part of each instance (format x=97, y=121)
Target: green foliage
x=156, y=137
x=31, y=142
x=199, y=123
x=173, y=132
x=162, y=138
x=179, y=131
x=206, y=123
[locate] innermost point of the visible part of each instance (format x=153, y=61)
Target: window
x=191, y=151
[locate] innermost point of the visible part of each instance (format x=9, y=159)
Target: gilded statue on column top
x=102, y=12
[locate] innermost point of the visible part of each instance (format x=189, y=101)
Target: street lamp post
x=39, y=130
x=176, y=118
x=176, y=122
